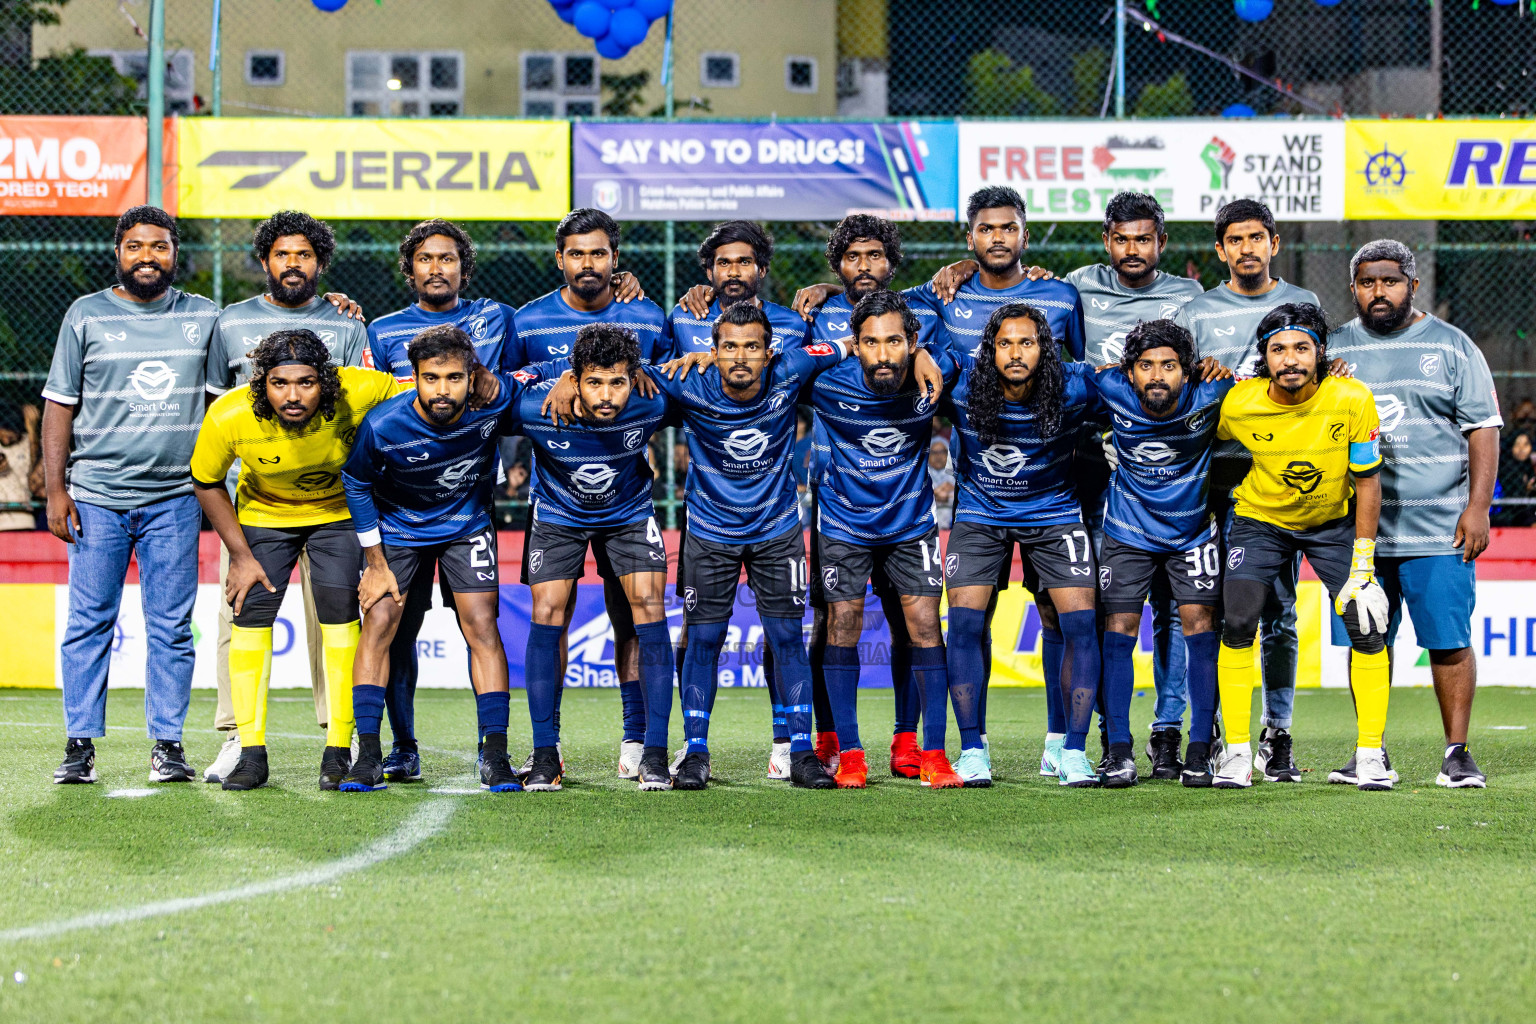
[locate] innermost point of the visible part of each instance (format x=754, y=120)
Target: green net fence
x=760, y=59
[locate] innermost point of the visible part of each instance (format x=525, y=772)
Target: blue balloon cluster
x=1253, y=10
x=617, y=26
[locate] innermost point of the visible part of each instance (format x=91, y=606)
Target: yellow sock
x=250, y=669
x=340, y=644
x=1371, y=680
x=1234, y=679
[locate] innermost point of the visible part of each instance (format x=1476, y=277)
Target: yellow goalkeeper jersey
x=287, y=478
x=1303, y=455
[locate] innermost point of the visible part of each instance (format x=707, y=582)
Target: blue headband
x=1309, y=332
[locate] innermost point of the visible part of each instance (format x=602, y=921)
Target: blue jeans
x=1168, y=660
x=1277, y=649
x=164, y=537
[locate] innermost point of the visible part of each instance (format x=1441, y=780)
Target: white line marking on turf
x=315, y=737
x=132, y=794
x=425, y=822
x=1512, y=728
x=455, y=790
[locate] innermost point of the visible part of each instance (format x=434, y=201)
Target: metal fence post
x=1119, y=58
x=216, y=69
x=670, y=276
x=155, y=172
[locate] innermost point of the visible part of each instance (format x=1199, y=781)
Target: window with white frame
x=179, y=82
x=800, y=74
x=556, y=84
x=384, y=83
x=264, y=67
x=719, y=70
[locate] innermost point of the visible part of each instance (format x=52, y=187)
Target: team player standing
x=992, y=345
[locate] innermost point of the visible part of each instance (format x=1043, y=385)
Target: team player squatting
x=1316, y=453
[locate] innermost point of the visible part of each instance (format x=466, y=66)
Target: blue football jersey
x=966, y=317
x=547, y=328
x=488, y=322
x=1157, y=496
x=589, y=474
x=834, y=320
x=688, y=333
x=872, y=483
x=410, y=482
x=741, y=478
x=1023, y=479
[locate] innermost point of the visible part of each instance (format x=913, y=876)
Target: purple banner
x=726, y=171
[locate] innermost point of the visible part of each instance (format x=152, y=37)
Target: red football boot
x=906, y=758
x=853, y=771
x=937, y=772
x=826, y=750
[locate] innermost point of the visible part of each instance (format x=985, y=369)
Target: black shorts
x=335, y=564
x=1261, y=551
x=467, y=565
x=911, y=568
x=1126, y=575
x=776, y=572
x=1055, y=557
x=560, y=552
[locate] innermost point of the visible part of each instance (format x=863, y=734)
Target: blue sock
x=657, y=668
x=967, y=648
x=909, y=696
x=820, y=702
x=1081, y=668
x=986, y=679
x=541, y=662
x=775, y=689
x=932, y=676
x=400, y=691
x=493, y=709
x=368, y=708
x=1119, y=680
x=1200, y=670
x=1053, y=650
x=842, y=669
x=632, y=696
x=701, y=678
x=785, y=639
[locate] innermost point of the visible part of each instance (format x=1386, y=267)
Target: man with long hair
x=291, y=428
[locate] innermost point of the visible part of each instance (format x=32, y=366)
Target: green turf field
x=752, y=901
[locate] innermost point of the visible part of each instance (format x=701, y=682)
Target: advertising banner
x=708, y=171
x=397, y=168
x=1069, y=170
x=78, y=166
x=1425, y=170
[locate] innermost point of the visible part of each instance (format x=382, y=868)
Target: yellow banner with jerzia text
x=375, y=169
x=1428, y=170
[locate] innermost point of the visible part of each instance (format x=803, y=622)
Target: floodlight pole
x=1119, y=59
x=156, y=74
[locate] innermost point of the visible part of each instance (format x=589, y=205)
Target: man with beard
x=293, y=250
x=437, y=259
x=1223, y=323
x=1015, y=407
x=875, y=520
x=1440, y=448
x=1163, y=411
x=291, y=428
x=418, y=482
x=124, y=404
x=1314, y=489
x=587, y=254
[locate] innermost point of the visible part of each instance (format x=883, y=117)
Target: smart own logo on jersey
x=316, y=480
x=747, y=444
x=454, y=473
x=1302, y=475
x=1154, y=453
x=593, y=478
x=883, y=442
x=1005, y=460
x=1390, y=410
x=153, y=380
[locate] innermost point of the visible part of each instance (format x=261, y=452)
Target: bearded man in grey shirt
x=1440, y=451
x=124, y=404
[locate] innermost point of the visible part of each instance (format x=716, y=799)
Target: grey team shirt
x=1111, y=310
x=134, y=371
x=1226, y=324
x=1432, y=386
x=243, y=325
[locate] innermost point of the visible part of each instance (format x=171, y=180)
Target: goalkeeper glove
x=1362, y=588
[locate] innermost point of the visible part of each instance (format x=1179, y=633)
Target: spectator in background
x=19, y=451
x=1524, y=419
x=1517, y=479
x=941, y=472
